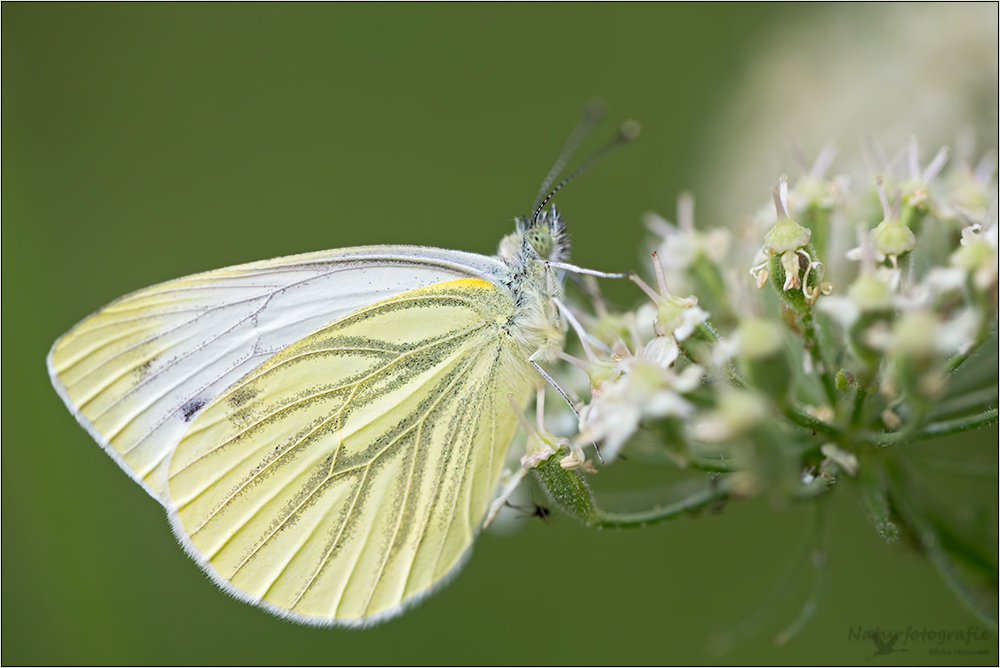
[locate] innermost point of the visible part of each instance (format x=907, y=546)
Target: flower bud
x=892, y=238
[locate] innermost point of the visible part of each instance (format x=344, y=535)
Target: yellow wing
x=348, y=474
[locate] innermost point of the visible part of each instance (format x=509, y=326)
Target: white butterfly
x=326, y=430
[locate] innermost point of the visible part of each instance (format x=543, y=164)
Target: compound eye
x=541, y=240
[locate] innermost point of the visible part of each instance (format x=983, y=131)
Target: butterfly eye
x=541, y=240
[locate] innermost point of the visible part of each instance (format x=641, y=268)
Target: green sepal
x=567, y=490
x=795, y=298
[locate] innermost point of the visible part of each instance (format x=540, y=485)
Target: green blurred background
x=146, y=142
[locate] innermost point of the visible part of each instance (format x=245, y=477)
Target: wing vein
x=359, y=382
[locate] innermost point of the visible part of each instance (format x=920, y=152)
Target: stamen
x=645, y=288
x=823, y=161
x=661, y=280
x=779, y=208
x=783, y=191
x=575, y=361
x=936, y=164
x=886, y=207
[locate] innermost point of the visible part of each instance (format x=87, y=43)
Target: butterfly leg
x=509, y=486
x=562, y=392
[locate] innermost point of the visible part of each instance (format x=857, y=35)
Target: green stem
x=964, y=402
x=860, y=396
x=820, y=585
x=959, y=359
x=711, y=464
x=570, y=492
x=936, y=429
x=930, y=541
x=819, y=359
x=784, y=585
x=803, y=419
x=714, y=493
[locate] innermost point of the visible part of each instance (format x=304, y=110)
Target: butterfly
x=325, y=431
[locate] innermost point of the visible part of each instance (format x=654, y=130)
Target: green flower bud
x=786, y=235
x=892, y=237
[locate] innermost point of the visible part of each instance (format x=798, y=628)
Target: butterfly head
x=541, y=238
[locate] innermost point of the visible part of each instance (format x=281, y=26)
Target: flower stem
x=807, y=421
x=963, y=402
x=930, y=541
x=715, y=492
x=860, y=395
x=820, y=585
x=937, y=429
x=819, y=359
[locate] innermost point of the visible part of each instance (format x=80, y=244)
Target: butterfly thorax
x=535, y=324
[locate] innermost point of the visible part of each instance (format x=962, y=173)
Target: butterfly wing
x=349, y=473
x=139, y=370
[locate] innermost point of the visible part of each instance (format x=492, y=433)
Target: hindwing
x=350, y=472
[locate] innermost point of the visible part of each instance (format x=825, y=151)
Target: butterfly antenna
x=629, y=131
x=592, y=114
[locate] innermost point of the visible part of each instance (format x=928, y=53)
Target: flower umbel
x=776, y=391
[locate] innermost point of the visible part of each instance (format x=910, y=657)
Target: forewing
x=349, y=473
x=139, y=370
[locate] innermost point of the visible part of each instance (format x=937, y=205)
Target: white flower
x=682, y=244
x=645, y=389
x=662, y=351
x=675, y=316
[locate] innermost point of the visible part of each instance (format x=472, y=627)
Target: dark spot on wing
x=191, y=408
x=143, y=370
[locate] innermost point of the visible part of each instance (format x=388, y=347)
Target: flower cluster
x=866, y=321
